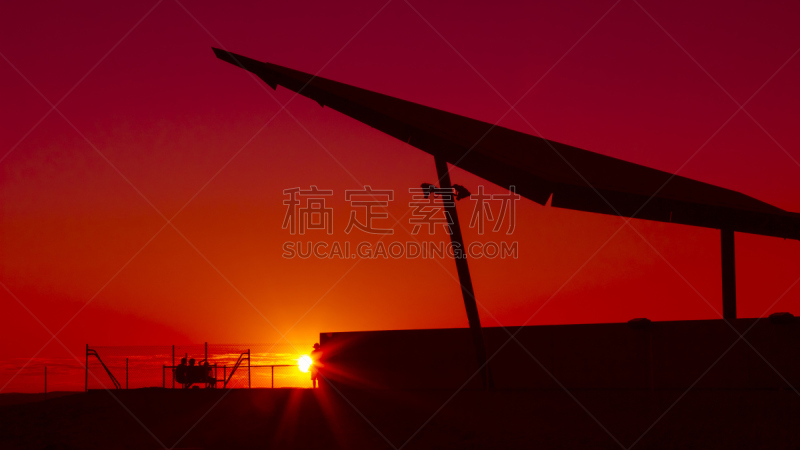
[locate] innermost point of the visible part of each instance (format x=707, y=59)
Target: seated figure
x=181, y=372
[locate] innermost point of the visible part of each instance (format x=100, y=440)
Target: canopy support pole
x=728, y=274
x=464, y=278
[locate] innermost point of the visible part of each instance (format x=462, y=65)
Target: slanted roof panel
x=576, y=178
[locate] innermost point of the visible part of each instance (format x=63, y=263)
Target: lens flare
x=304, y=363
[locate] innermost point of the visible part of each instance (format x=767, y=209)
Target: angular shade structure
x=539, y=168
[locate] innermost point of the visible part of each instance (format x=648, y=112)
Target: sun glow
x=304, y=363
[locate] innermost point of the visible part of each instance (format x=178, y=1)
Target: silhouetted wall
x=657, y=355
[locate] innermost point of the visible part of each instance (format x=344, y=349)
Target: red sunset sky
x=154, y=126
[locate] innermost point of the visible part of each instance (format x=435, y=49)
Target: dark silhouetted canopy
x=538, y=168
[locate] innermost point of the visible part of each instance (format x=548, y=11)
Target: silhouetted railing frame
x=120, y=361
x=92, y=352
x=238, y=363
x=225, y=371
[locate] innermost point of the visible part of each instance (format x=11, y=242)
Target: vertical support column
x=173, y=366
x=462, y=267
x=273, y=377
x=248, y=368
x=205, y=351
x=86, y=371
x=45, y=382
x=728, y=274
x=126, y=373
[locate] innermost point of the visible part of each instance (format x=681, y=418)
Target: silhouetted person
x=181, y=373
x=315, y=357
x=191, y=373
x=208, y=375
x=428, y=189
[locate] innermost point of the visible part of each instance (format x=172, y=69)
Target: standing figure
x=315, y=363
x=208, y=375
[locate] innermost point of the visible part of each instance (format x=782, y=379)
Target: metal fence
x=262, y=365
x=52, y=374
x=270, y=365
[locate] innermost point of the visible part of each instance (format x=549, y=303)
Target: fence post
x=45, y=382
x=126, y=373
x=164, y=376
x=206, y=351
x=650, y=357
x=273, y=377
x=86, y=371
x=248, y=368
x=225, y=376
x=173, y=366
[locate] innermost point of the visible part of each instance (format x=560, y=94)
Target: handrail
x=238, y=362
x=89, y=352
x=274, y=365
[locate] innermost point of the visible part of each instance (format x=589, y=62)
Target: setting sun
x=304, y=363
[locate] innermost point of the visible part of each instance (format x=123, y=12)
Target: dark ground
x=383, y=419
